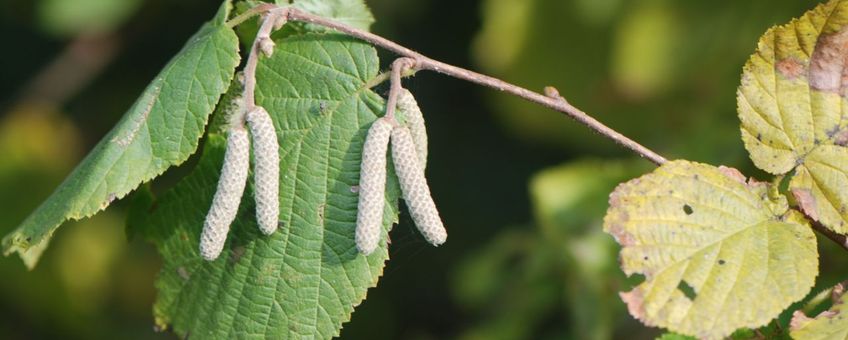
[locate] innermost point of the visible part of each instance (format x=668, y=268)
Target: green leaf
x=351, y=12
x=718, y=253
x=830, y=324
x=791, y=104
x=304, y=280
x=160, y=130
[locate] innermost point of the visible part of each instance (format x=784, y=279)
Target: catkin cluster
x=409, y=154
x=225, y=203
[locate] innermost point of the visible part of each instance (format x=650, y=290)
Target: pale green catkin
x=414, y=187
x=266, y=171
x=415, y=121
x=372, y=186
x=228, y=195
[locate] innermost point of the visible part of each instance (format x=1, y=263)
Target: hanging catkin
x=414, y=187
x=266, y=171
x=372, y=186
x=415, y=122
x=228, y=195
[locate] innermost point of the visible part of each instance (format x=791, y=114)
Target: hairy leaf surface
x=353, y=13
x=304, y=280
x=160, y=130
x=717, y=253
x=792, y=106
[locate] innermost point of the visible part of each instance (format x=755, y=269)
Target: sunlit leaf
x=791, y=104
x=717, y=253
x=304, y=280
x=828, y=325
x=354, y=13
x=160, y=130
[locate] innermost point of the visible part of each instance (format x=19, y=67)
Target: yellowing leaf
x=792, y=107
x=828, y=325
x=820, y=186
x=718, y=253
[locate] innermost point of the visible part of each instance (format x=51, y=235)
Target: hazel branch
x=399, y=66
x=274, y=17
x=422, y=62
x=839, y=239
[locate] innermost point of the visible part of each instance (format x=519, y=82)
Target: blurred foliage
x=655, y=69
x=559, y=280
x=663, y=72
x=73, y=17
x=83, y=280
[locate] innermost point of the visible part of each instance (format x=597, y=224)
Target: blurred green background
x=522, y=189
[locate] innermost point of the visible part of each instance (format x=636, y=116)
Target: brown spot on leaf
x=236, y=254
x=827, y=65
x=636, y=305
x=109, y=199
x=790, y=68
x=617, y=217
x=183, y=273
x=798, y=320
x=807, y=202
x=841, y=138
x=837, y=292
x=732, y=173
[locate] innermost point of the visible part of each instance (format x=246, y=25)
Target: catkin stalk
x=266, y=171
x=228, y=195
x=415, y=122
x=372, y=186
x=414, y=187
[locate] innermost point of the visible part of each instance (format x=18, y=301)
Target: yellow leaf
x=792, y=107
x=718, y=253
x=829, y=325
x=820, y=184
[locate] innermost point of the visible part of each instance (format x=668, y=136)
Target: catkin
x=372, y=186
x=228, y=195
x=414, y=187
x=415, y=122
x=266, y=171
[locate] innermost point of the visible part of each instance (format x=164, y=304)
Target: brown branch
x=425, y=63
x=275, y=16
x=839, y=239
x=398, y=67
